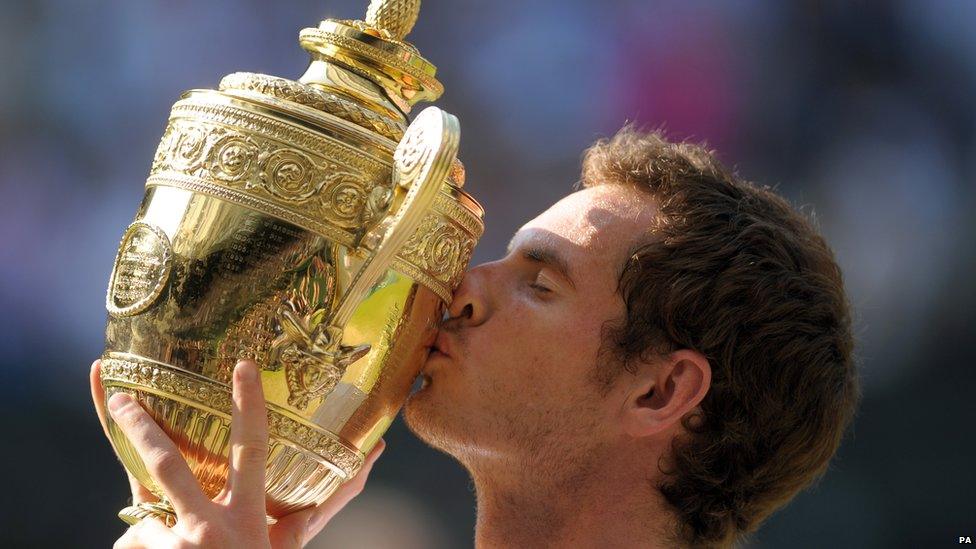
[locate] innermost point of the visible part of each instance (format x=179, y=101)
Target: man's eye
x=539, y=284
x=539, y=288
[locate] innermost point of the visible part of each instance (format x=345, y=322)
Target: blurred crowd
x=859, y=112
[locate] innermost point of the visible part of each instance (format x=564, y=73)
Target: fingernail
x=118, y=401
x=246, y=370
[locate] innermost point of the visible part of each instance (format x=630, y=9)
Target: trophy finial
x=397, y=17
x=373, y=49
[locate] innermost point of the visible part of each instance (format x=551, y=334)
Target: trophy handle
x=422, y=161
x=316, y=359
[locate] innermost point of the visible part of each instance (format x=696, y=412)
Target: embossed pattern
x=263, y=163
x=202, y=142
x=441, y=249
x=317, y=99
x=141, y=270
x=168, y=382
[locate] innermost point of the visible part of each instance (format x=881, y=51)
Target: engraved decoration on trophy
x=309, y=226
x=141, y=270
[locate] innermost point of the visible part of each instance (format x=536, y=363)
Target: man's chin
x=418, y=412
x=424, y=414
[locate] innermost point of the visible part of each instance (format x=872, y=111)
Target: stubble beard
x=431, y=417
x=543, y=444
x=502, y=425
x=425, y=420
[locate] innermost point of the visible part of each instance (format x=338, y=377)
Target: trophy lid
x=362, y=71
x=375, y=49
x=367, y=62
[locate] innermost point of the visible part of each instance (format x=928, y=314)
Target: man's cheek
x=536, y=370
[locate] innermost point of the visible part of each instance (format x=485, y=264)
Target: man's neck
x=610, y=507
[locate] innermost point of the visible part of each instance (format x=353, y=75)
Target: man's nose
x=470, y=306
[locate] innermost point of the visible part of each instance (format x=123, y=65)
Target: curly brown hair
x=732, y=271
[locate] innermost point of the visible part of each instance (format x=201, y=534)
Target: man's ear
x=663, y=392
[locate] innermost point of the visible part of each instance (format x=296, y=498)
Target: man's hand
x=236, y=517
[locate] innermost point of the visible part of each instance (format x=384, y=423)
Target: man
x=662, y=358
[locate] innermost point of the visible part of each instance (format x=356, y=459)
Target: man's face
x=513, y=376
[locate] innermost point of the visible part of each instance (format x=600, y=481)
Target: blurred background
x=861, y=112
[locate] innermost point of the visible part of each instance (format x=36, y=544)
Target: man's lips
x=440, y=346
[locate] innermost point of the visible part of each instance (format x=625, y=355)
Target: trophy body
x=282, y=222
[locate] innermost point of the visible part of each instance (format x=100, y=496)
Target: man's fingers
x=98, y=394
x=248, y=439
x=148, y=532
x=358, y=482
x=290, y=530
x=352, y=488
x=139, y=492
x=297, y=528
x=160, y=455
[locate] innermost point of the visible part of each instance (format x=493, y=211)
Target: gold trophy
x=305, y=226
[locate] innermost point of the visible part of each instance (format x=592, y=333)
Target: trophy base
x=161, y=510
